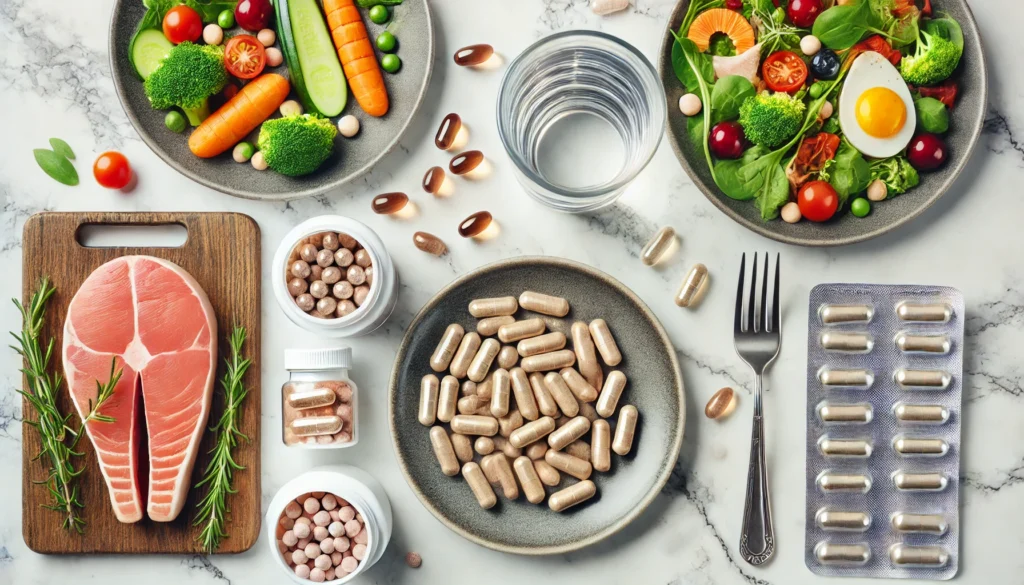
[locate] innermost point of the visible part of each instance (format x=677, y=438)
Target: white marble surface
x=54, y=81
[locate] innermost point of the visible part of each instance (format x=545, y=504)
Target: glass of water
x=580, y=114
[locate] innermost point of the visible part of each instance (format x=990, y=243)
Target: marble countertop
x=55, y=81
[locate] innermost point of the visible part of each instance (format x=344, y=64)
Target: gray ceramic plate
x=412, y=26
x=655, y=387
x=965, y=128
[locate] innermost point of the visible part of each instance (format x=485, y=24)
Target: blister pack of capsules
x=884, y=386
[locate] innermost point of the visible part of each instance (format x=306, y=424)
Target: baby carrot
x=357, y=57
x=253, y=104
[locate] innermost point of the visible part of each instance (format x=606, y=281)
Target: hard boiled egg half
x=876, y=111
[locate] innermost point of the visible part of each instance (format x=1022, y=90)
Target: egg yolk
x=880, y=112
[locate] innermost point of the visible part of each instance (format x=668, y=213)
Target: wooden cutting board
x=222, y=252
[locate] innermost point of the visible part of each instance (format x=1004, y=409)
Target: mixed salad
x=215, y=76
x=809, y=107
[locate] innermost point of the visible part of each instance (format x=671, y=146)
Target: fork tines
x=758, y=317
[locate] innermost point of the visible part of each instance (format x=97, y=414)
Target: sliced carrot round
x=725, y=21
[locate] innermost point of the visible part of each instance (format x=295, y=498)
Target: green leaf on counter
x=62, y=148
x=57, y=166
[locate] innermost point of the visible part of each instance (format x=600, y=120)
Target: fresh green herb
x=694, y=67
x=897, y=173
x=59, y=440
x=773, y=32
x=213, y=509
x=57, y=166
x=728, y=95
x=900, y=25
x=932, y=115
x=62, y=148
x=849, y=173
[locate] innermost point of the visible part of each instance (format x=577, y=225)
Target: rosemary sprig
x=212, y=510
x=58, y=440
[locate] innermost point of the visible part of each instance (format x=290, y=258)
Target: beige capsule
x=846, y=378
x=445, y=350
x=528, y=478
x=930, y=556
x=611, y=393
x=832, y=314
x=485, y=389
x=561, y=393
x=921, y=413
x=586, y=354
x=721, y=404
x=934, y=524
x=429, y=386
x=554, y=360
x=605, y=342
x=843, y=482
x=447, y=398
x=578, y=385
x=490, y=471
x=469, y=424
x=463, y=446
x=600, y=445
x=927, y=482
x=544, y=304
x=484, y=445
x=845, y=413
x=483, y=359
x=569, y=432
x=488, y=326
x=536, y=450
x=692, y=290
x=501, y=391
x=574, y=466
x=571, y=496
x=845, y=448
x=923, y=343
x=309, y=426
x=919, y=446
x=927, y=313
x=509, y=423
x=656, y=247
x=465, y=354
x=541, y=344
x=508, y=449
x=842, y=521
x=587, y=409
x=311, y=398
x=922, y=379
x=578, y=448
x=506, y=478
x=545, y=401
x=625, y=428
x=526, y=403
x=831, y=553
x=479, y=485
x=444, y=451
x=468, y=388
x=521, y=330
x=549, y=476
x=532, y=431
x=851, y=342
x=469, y=404
x=493, y=307
x=508, y=357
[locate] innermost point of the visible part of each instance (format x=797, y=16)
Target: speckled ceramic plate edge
x=715, y=196
x=320, y=188
x=676, y=443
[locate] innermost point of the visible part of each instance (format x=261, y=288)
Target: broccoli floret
x=936, y=54
x=771, y=119
x=297, y=145
x=186, y=78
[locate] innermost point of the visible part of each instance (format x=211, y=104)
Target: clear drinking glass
x=580, y=114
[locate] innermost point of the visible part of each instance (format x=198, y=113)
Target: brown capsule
x=475, y=224
x=473, y=55
x=721, y=404
x=389, y=203
x=448, y=130
x=433, y=180
x=429, y=243
x=465, y=162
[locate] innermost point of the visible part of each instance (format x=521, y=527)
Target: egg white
x=873, y=70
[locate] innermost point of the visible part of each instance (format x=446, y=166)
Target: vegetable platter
x=255, y=98
x=831, y=121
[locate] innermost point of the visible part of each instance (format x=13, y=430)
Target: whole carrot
x=253, y=104
x=356, y=55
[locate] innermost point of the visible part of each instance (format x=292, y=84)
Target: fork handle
x=757, y=542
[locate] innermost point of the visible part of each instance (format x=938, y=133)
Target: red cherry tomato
x=181, y=24
x=818, y=201
x=734, y=4
x=727, y=140
x=253, y=15
x=803, y=13
x=927, y=152
x=244, y=56
x=112, y=170
x=784, y=71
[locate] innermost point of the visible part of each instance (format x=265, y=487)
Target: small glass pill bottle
x=319, y=402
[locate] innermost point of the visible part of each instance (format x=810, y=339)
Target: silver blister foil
x=903, y=484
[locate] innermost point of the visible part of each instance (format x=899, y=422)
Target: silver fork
x=757, y=336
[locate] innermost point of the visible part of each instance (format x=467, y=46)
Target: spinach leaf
x=729, y=94
x=743, y=178
x=849, y=172
x=774, y=195
x=57, y=166
x=695, y=129
x=209, y=9
x=842, y=27
x=681, y=64
x=932, y=115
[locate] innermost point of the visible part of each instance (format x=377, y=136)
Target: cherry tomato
x=244, y=56
x=181, y=24
x=927, y=152
x=803, y=13
x=734, y=4
x=818, y=201
x=784, y=71
x=727, y=140
x=112, y=170
x=253, y=15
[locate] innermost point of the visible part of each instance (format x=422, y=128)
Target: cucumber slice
x=318, y=60
x=149, y=47
x=291, y=55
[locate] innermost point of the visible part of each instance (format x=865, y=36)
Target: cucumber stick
x=309, y=50
x=148, y=48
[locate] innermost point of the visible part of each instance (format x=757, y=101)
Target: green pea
x=226, y=19
x=386, y=41
x=860, y=207
x=390, y=63
x=174, y=121
x=816, y=91
x=379, y=14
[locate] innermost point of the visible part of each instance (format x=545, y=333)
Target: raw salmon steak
x=155, y=320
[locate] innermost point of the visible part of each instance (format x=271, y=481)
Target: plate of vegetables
x=823, y=122
x=271, y=100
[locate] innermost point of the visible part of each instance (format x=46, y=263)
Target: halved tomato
x=244, y=56
x=784, y=71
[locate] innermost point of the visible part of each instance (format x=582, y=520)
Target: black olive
x=825, y=65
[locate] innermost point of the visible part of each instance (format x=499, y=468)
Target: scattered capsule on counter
x=389, y=203
x=447, y=131
x=473, y=55
x=475, y=224
x=721, y=404
x=692, y=290
x=429, y=243
x=659, y=243
x=465, y=162
x=433, y=180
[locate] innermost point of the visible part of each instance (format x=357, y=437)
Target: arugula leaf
x=62, y=148
x=728, y=95
x=57, y=166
